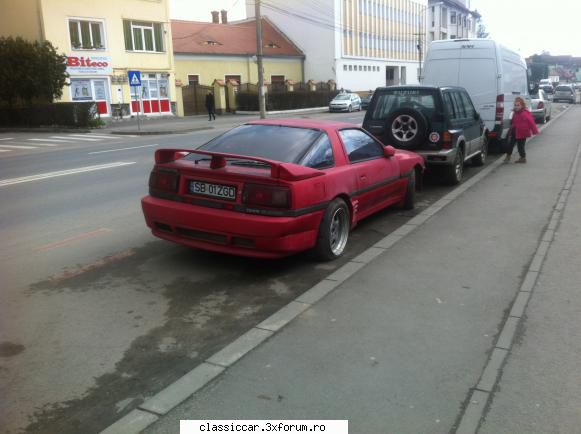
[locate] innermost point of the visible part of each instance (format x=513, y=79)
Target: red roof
x=235, y=38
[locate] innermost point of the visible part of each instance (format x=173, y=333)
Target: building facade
x=451, y=19
x=103, y=41
x=361, y=44
x=205, y=52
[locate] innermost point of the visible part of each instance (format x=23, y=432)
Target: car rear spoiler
x=278, y=170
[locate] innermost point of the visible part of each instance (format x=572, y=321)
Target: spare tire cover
x=405, y=128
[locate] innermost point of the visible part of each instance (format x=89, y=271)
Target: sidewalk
x=187, y=124
x=412, y=336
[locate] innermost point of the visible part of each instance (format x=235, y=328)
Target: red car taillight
x=541, y=105
x=499, y=108
x=164, y=180
x=266, y=196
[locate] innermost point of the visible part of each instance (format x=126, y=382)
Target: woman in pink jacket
x=521, y=127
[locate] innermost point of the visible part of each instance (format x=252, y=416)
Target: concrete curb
x=157, y=133
x=270, y=326
x=278, y=112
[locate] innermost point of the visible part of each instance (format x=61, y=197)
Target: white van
x=492, y=74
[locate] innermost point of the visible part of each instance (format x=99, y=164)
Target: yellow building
x=205, y=52
x=104, y=40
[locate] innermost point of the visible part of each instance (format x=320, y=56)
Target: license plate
x=227, y=192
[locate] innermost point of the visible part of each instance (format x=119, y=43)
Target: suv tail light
x=499, y=108
x=447, y=140
x=541, y=105
x=266, y=196
x=164, y=180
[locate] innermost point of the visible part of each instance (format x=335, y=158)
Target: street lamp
x=420, y=33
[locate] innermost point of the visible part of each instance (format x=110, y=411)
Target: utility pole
x=420, y=47
x=261, y=101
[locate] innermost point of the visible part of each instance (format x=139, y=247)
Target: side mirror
x=476, y=116
x=388, y=151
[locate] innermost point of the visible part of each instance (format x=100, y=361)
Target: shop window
x=193, y=79
x=142, y=36
x=86, y=35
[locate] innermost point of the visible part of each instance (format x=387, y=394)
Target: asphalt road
x=97, y=314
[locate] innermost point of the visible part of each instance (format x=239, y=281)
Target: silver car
x=541, y=106
x=345, y=102
x=565, y=92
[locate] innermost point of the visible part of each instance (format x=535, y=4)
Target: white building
x=451, y=19
x=361, y=44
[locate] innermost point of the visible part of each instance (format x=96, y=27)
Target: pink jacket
x=523, y=123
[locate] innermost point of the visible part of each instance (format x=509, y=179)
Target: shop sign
x=89, y=65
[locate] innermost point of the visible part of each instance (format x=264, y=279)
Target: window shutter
x=158, y=35
x=128, y=36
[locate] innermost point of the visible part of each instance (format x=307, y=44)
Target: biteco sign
x=89, y=65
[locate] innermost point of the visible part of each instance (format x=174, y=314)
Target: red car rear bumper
x=229, y=231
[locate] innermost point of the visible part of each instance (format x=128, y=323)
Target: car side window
x=460, y=105
x=360, y=146
x=320, y=155
x=467, y=105
x=451, y=106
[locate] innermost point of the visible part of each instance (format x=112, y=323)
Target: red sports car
x=273, y=188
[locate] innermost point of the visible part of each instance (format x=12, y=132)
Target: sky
x=528, y=26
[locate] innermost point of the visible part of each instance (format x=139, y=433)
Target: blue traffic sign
x=134, y=78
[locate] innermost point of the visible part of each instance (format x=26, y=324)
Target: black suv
x=439, y=123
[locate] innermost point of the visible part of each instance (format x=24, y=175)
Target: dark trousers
x=211, y=114
x=520, y=144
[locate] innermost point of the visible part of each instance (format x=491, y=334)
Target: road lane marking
x=7, y=138
x=6, y=182
x=51, y=140
x=72, y=240
x=18, y=147
x=76, y=138
x=44, y=144
x=95, y=135
x=123, y=149
x=5, y=150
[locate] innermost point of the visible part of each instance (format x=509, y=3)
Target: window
x=320, y=155
x=360, y=67
x=344, y=67
x=453, y=18
x=236, y=78
x=350, y=67
x=286, y=144
x=360, y=146
x=142, y=36
x=193, y=79
x=403, y=75
x=460, y=105
x=86, y=35
x=467, y=105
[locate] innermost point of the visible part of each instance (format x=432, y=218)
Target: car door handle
x=363, y=177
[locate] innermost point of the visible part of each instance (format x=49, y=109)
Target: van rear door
x=478, y=69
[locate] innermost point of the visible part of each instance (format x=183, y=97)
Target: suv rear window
x=563, y=88
x=419, y=99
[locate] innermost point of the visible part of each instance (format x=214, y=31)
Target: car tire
x=548, y=118
x=333, y=231
x=480, y=159
x=455, y=171
x=350, y=108
x=405, y=128
x=409, y=200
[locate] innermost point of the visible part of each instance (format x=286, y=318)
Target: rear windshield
x=563, y=88
x=419, y=99
x=279, y=143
